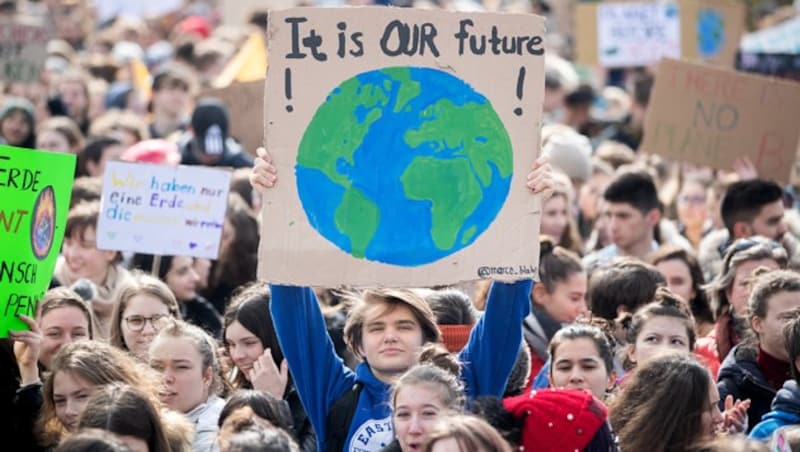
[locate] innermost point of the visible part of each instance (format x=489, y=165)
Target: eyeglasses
x=136, y=322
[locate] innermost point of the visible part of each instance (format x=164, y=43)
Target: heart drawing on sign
x=192, y=245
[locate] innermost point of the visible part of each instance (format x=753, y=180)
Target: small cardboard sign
x=23, y=49
x=245, y=102
x=402, y=158
x=35, y=188
x=711, y=116
x=163, y=210
x=622, y=33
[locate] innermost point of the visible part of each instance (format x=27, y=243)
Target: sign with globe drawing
x=403, y=139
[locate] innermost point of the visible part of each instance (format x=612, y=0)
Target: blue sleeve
x=764, y=430
x=319, y=374
x=494, y=342
x=541, y=381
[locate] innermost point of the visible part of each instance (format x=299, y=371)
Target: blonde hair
x=471, y=433
x=99, y=364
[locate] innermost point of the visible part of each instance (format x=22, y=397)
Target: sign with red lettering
x=23, y=49
x=35, y=188
x=163, y=210
x=711, y=117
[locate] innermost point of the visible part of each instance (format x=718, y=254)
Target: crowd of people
x=665, y=316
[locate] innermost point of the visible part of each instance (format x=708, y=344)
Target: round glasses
x=136, y=322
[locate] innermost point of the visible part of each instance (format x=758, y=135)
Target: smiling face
x=185, y=383
x=142, y=318
x=61, y=326
x=244, y=347
x=70, y=395
x=577, y=364
x=417, y=408
x=84, y=259
x=391, y=340
x=658, y=335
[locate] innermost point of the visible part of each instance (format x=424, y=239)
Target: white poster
x=637, y=34
x=163, y=210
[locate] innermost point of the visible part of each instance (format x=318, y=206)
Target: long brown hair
x=99, y=364
x=651, y=415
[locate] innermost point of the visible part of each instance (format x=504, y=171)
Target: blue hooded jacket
x=785, y=411
x=321, y=377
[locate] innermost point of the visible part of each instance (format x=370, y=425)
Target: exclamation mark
x=520, y=84
x=287, y=77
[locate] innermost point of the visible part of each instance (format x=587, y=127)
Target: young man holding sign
x=387, y=329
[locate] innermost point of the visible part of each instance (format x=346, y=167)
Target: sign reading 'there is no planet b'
x=163, y=210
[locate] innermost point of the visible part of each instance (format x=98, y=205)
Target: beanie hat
x=570, y=152
x=12, y=104
x=210, y=125
x=557, y=420
x=196, y=25
x=455, y=337
x=161, y=152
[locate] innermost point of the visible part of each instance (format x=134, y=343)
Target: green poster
x=35, y=188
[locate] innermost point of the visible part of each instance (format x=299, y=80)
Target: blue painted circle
x=403, y=165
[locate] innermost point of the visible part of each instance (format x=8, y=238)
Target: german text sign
x=631, y=34
x=163, y=210
x=713, y=116
x=35, y=189
x=402, y=140
x=23, y=48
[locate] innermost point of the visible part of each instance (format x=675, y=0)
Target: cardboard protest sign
x=631, y=33
x=23, y=49
x=245, y=102
x=713, y=116
x=402, y=159
x=162, y=210
x=35, y=188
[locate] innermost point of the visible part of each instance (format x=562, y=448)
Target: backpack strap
x=340, y=417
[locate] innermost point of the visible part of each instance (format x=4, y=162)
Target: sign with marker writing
x=631, y=34
x=35, y=188
x=163, y=210
x=623, y=34
x=23, y=49
x=402, y=160
x=711, y=117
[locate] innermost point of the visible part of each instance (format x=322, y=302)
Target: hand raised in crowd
x=540, y=179
x=264, y=173
x=265, y=375
x=735, y=415
x=745, y=169
x=27, y=346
